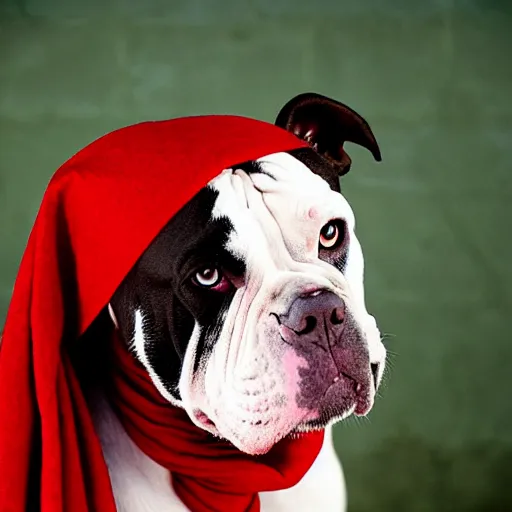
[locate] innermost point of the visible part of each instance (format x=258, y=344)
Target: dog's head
x=248, y=309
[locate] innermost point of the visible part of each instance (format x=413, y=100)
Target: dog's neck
x=205, y=470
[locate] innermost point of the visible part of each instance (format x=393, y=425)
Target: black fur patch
x=161, y=286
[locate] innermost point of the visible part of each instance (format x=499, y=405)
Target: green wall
x=434, y=78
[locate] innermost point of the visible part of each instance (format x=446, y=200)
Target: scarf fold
x=208, y=474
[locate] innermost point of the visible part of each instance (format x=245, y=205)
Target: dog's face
x=248, y=309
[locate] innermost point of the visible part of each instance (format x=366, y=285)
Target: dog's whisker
x=390, y=364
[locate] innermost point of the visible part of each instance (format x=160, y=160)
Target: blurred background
x=433, y=78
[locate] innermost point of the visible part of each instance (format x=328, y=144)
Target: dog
x=248, y=312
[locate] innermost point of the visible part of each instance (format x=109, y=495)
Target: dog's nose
x=314, y=311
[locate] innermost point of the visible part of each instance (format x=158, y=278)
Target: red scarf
x=101, y=210
x=207, y=474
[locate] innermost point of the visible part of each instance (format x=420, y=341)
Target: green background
x=434, y=79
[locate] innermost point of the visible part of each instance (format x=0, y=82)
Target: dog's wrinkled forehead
x=277, y=198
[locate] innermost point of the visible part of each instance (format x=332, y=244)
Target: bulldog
x=248, y=312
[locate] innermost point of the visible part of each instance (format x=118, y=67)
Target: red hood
x=101, y=210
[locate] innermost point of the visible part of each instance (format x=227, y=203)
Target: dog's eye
x=209, y=277
x=331, y=235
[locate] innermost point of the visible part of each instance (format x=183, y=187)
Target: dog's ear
x=326, y=125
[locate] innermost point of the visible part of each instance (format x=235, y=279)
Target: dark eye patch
x=158, y=286
x=210, y=250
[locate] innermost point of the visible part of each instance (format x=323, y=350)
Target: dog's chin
x=254, y=437
x=259, y=443
x=258, y=439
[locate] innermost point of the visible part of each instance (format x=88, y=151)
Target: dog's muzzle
x=309, y=365
x=319, y=327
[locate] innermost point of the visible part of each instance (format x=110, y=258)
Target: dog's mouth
x=344, y=397
x=350, y=396
x=359, y=395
